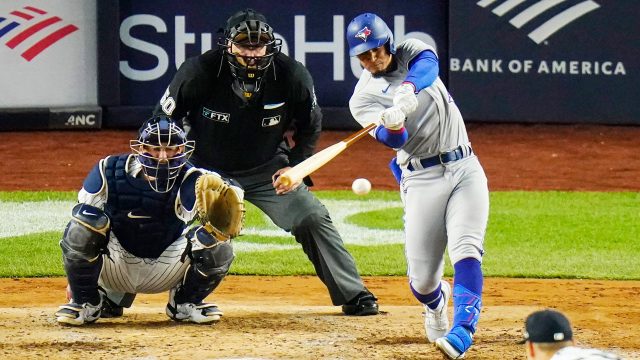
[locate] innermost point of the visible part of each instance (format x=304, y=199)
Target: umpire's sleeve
x=307, y=117
x=177, y=98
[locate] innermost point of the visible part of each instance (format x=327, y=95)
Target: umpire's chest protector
x=144, y=221
x=232, y=134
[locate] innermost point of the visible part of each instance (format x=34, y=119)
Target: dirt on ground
x=292, y=317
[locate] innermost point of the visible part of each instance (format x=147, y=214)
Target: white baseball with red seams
x=361, y=186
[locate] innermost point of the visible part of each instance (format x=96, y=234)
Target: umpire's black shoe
x=363, y=304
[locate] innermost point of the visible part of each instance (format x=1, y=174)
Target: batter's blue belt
x=456, y=154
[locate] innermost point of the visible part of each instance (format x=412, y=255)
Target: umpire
x=237, y=102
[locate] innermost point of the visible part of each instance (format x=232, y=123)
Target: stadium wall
x=572, y=62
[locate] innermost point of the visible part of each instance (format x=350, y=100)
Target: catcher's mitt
x=220, y=206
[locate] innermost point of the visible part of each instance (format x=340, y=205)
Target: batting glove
x=392, y=118
x=405, y=98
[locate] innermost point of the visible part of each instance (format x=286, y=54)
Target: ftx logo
x=35, y=27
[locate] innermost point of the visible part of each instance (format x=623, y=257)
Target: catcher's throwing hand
x=220, y=206
x=279, y=186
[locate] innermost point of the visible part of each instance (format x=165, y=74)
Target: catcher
x=147, y=222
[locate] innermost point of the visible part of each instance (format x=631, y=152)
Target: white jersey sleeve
x=99, y=198
x=578, y=353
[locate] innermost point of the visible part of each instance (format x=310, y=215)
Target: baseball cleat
x=362, y=305
x=202, y=313
x=436, y=322
x=110, y=309
x=456, y=343
x=78, y=314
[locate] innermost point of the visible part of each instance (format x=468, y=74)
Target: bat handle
x=285, y=179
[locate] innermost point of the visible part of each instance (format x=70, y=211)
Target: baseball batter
x=443, y=187
x=129, y=233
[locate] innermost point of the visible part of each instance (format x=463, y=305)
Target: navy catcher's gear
x=210, y=262
x=83, y=242
x=248, y=28
x=367, y=31
x=143, y=220
x=162, y=149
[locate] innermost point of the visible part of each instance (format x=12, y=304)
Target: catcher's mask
x=162, y=149
x=249, y=47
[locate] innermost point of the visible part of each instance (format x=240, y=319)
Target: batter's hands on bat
x=405, y=98
x=280, y=187
x=392, y=118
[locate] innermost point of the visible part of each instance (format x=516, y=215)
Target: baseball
x=361, y=186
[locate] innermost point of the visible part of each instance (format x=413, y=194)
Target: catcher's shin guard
x=83, y=243
x=210, y=262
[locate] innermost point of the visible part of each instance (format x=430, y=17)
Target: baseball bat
x=319, y=159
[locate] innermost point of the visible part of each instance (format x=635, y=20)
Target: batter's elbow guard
x=86, y=235
x=395, y=170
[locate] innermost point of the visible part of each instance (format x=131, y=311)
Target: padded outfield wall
x=569, y=61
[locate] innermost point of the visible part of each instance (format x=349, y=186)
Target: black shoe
x=110, y=309
x=362, y=305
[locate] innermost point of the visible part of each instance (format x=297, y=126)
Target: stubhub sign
x=154, y=45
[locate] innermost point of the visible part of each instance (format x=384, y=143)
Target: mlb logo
x=271, y=121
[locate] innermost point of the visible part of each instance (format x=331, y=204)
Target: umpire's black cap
x=547, y=326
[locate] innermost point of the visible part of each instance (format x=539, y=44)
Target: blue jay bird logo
x=363, y=34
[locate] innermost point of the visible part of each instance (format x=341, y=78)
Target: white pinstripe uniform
x=123, y=272
x=445, y=205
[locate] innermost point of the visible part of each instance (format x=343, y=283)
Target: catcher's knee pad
x=85, y=236
x=466, y=307
x=213, y=261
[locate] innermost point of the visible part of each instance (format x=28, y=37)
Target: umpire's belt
x=458, y=153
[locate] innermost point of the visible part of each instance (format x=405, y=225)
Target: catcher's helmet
x=249, y=29
x=368, y=31
x=162, y=149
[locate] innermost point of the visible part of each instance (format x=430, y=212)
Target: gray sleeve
x=364, y=108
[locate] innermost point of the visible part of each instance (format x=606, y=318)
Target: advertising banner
x=48, y=53
x=155, y=39
x=546, y=61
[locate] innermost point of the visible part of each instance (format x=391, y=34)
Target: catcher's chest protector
x=144, y=221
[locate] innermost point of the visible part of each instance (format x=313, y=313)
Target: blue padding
x=391, y=138
x=423, y=70
x=395, y=170
x=466, y=308
x=93, y=182
x=188, y=190
x=460, y=339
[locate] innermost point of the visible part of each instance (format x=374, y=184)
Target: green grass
x=591, y=235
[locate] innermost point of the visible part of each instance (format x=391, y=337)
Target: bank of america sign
x=533, y=9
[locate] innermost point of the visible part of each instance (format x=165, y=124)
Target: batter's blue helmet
x=367, y=31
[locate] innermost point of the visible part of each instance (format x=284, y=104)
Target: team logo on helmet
x=363, y=34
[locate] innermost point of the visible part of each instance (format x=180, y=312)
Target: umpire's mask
x=162, y=149
x=249, y=47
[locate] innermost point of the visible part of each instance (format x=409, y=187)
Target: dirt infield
x=290, y=317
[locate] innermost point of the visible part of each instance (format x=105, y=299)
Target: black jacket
x=234, y=135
